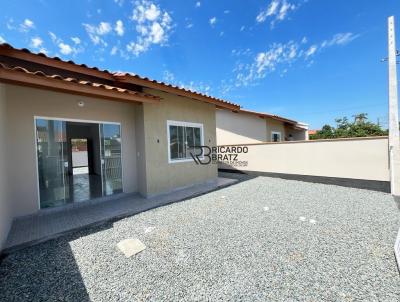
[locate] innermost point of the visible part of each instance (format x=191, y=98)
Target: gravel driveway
x=263, y=239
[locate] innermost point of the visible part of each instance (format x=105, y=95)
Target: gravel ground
x=263, y=239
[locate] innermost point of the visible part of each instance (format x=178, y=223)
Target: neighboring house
x=138, y=132
x=249, y=127
x=312, y=132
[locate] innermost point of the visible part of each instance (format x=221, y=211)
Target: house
x=134, y=134
x=249, y=127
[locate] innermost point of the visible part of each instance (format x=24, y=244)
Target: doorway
x=77, y=160
x=79, y=151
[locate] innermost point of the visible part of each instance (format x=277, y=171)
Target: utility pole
x=394, y=140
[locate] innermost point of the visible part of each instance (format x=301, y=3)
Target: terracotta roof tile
x=77, y=81
x=273, y=116
x=125, y=74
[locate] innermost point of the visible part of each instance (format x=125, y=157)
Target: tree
x=361, y=127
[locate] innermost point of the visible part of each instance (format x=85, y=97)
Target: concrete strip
x=34, y=229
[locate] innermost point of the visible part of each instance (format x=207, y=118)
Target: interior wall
x=89, y=131
x=5, y=205
x=24, y=103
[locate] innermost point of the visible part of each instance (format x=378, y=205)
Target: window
x=276, y=136
x=183, y=138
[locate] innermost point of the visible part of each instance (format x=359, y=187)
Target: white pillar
x=394, y=141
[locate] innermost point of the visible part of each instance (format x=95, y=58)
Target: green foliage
x=360, y=127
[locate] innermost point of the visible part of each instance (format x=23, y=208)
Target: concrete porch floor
x=33, y=229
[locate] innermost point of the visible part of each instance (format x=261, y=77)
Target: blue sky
x=308, y=60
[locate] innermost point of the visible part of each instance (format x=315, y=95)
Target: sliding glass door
x=54, y=148
x=51, y=142
x=111, y=163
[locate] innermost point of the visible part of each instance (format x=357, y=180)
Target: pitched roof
x=268, y=115
x=38, y=78
x=117, y=78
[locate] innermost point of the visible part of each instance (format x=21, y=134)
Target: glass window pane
x=181, y=142
x=110, y=135
x=189, y=141
x=197, y=137
x=52, y=162
x=173, y=142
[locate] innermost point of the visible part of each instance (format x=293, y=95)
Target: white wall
x=357, y=158
x=5, y=211
x=239, y=128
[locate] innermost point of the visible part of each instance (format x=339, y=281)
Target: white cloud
x=95, y=32
x=198, y=4
x=27, y=25
x=340, y=39
x=168, y=77
x=2, y=40
x=227, y=11
x=190, y=25
x=311, y=50
x=36, y=42
x=212, y=21
x=282, y=55
x=65, y=49
x=242, y=28
x=119, y=2
x=76, y=40
x=197, y=87
x=114, y=50
x=157, y=33
x=119, y=28
x=53, y=37
x=152, y=12
x=153, y=25
x=201, y=87
x=103, y=28
x=277, y=10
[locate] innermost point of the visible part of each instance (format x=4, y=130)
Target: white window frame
x=272, y=136
x=182, y=124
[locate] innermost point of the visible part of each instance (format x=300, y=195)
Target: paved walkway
x=33, y=229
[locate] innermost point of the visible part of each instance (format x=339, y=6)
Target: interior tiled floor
x=84, y=187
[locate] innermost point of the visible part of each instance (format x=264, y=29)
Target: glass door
x=111, y=163
x=52, y=157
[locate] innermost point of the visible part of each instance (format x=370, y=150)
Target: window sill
x=184, y=160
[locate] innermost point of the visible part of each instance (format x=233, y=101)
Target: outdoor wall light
x=81, y=104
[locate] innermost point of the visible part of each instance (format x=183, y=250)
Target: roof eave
x=170, y=89
x=30, y=80
x=26, y=55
